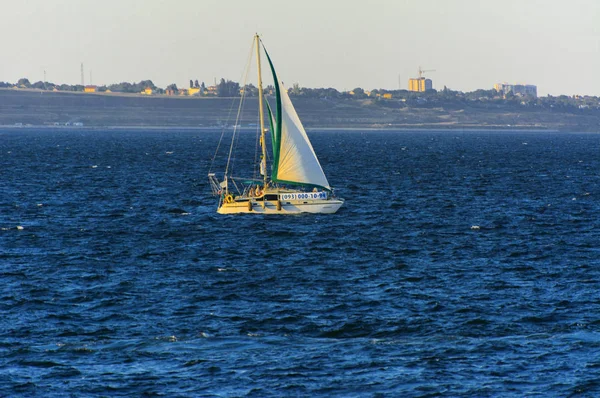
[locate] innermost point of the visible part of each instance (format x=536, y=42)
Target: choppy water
x=462, y=264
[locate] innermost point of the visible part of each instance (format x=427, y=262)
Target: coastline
x=30, y=109
x=315, y=129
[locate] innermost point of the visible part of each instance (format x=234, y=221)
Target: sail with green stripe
x=294, y=159
x=272, y=124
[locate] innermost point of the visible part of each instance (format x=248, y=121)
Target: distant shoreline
x=29, y=109
x=311, y=129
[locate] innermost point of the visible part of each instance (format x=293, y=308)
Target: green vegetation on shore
x=36, y=104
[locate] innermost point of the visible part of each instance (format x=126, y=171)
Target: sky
x=374, y=44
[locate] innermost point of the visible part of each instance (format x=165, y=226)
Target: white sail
x=297, y=161
x=263, y=167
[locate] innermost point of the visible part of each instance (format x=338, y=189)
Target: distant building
x=387, y=95
x=420, y=84
x=147, y=91
x=211, y=90
x=194, y=91
x=517, y=89
x=89, y=89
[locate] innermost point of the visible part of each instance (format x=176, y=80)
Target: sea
x=462, y=264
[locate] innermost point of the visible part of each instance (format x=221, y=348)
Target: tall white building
x=517, y=89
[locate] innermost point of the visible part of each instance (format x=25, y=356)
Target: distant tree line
x=228, y=88
x=391, y=98
x=124, y=87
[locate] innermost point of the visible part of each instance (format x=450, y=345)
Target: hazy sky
x=317, y=43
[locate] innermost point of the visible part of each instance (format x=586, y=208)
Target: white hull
x=327, y=206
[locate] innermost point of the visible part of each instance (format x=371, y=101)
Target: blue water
x=462, y=264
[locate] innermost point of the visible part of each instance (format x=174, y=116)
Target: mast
x=263, y=160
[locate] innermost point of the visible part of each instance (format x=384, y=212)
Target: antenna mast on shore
x=82, y=81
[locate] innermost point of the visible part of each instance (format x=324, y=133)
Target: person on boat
x=251, y=192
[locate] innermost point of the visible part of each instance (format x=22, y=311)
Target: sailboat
x=294, y=182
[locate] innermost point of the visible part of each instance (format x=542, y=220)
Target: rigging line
x=235, y=128
x=235, y=140
x=243, y=98
x=249, y=59
x=223, y=129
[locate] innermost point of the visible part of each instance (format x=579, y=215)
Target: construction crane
x=421, y=71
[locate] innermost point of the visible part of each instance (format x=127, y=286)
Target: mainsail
x=295, y=160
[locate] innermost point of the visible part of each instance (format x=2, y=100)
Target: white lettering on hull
x=303, y=195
